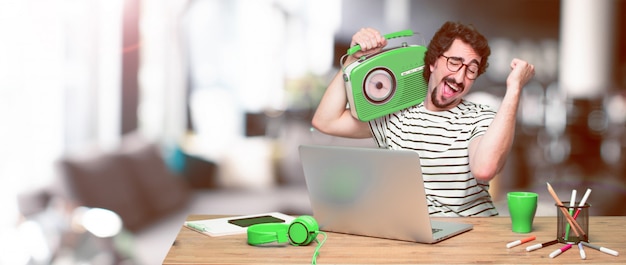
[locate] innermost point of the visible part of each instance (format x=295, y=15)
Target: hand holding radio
x=366, y=41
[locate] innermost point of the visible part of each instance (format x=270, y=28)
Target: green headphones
x=301, y=231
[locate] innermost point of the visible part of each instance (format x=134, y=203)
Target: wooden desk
x=485, y=244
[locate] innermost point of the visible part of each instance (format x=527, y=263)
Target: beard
x=445, y=103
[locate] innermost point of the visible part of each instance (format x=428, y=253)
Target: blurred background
x=121, y=117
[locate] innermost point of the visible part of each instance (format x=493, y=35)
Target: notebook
x=371, y=192
x=235, y=225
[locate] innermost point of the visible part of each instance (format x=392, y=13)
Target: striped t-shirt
x=442, y=140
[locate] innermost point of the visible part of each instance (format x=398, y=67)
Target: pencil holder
x=575, y=229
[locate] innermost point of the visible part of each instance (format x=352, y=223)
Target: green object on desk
x=522, y=209
x=572, y=204
x=198, y=227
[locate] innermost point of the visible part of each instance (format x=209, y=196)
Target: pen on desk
x=602, y=249
x=582, y=202
x=582, y=251
x=198, y=227
x=519, y=242
x=560, y=250
x=542, y=245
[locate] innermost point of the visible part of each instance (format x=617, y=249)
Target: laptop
x=371, y=192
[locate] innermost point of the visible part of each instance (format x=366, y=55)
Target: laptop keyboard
x=435, y=230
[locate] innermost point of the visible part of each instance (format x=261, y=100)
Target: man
x=462, y=145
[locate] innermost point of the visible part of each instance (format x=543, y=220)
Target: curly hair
x=444, y=37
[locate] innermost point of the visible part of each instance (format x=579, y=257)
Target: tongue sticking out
x=447, y=90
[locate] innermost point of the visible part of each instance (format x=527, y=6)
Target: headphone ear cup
x=303, y=230
x=259, y=234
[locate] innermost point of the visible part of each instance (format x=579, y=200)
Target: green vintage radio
x=385, y=82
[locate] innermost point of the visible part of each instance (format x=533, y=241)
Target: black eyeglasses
x=455, y=64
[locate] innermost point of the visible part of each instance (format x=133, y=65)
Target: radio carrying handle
x=403, y=33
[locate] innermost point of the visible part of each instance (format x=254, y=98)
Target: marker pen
x=582, y=202
x=582, y=251
x=572, y=203
x=542, y=245
x=519, y=242
x=560, y=250
x=602, y=249
x=198, y=227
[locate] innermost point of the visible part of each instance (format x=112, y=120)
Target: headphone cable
x=317, y=249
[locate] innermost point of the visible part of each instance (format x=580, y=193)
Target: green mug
x=522, y=209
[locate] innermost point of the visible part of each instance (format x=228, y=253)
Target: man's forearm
x=332, y=105
x=490, y=154
x=332, y=117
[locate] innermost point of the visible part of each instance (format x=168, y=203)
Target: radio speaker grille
x=414, y=92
